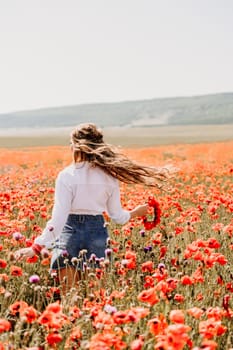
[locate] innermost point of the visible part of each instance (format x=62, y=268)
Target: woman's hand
x=24, y=253
x=140, y=210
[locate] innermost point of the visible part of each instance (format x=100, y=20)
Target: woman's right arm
x=120, y=215
x=140, y=210
x=60, y=212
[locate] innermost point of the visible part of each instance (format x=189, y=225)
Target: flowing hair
x=88, y=145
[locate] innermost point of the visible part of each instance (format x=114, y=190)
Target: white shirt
x=82, y=189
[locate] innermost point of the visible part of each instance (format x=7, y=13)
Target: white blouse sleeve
x=114, y=208
x=60, y=212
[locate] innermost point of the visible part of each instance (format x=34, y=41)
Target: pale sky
x=66, y=52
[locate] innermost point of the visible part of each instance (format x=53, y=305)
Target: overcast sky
x=63, y=52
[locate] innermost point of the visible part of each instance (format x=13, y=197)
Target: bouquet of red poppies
x=149, y=225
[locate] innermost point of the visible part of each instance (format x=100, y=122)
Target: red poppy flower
x=32, y=260
x=211, y=328
x=16, y=271
x=136, y=344
x=177, y=316
x=147, y=266
x=29, y=314
x=186, y=280
x=54, y=338
x=4, y=325
x=75, y=334
x=18, y=307
x=149, y=296
x=3, y=264
x=54, y=307
x=149, y=225
x=196, y=312
x=121, y=317
x=157, y=325
x=179, y=298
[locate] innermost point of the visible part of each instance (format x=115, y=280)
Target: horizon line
x=113, y=102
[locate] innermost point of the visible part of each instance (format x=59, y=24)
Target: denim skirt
x=82, y=237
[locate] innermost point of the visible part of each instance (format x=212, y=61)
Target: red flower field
x=166, y=281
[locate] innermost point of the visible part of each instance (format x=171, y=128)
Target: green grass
x=128, y=137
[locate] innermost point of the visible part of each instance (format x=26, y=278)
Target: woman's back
x=90, y=186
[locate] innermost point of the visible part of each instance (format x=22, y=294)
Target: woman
x=83, y=191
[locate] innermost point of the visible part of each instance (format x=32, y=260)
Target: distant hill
x=196, y=110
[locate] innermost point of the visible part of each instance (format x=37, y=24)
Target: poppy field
x=165, y=286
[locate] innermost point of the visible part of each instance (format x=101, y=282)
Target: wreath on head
x=150, y=224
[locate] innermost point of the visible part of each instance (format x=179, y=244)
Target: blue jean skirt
x=83, y=237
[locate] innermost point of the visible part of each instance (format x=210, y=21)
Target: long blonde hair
x=88, y=145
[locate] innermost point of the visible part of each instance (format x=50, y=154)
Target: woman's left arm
x=60, y=212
